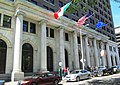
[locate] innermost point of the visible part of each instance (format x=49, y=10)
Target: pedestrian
x=65, y=71
x=68, y=71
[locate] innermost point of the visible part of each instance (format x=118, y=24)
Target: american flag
x=82, y=20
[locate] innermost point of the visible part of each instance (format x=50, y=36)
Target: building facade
x=31, y=40
x=117, y=32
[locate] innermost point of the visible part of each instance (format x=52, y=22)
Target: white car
x=77, y=75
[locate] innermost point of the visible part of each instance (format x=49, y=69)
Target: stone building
x=31, y=40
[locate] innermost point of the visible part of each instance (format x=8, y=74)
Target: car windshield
x=74, y=72
x=35, y=75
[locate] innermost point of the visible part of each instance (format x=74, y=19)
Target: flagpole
x=81, y=44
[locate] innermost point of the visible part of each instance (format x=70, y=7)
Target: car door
x=42, y=79
x=50, y=78
x=86, y=74
x=81, y=74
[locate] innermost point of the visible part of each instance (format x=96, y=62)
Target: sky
x=115, y=13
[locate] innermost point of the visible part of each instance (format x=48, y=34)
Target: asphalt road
x=104, y=80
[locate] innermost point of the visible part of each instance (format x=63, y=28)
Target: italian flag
x=61, y=11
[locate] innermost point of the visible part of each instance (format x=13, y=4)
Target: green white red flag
x=61, y=11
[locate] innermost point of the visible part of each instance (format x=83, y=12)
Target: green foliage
x=76, y=5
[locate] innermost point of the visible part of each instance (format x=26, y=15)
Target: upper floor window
x=52, y=1
x=25, y=26
x=52, y=33
x=78, y=39
x=45, y=7
x=49, y=32
x=32, y=1
x=60, y=4
x=110, y=47
x=0, y=18
x=32, y=28
x=66, y=37
x=7, y=21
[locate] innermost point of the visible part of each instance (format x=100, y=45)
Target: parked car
x=77, y=75
x=47, y=78
x=114, y=69
x=101, y=70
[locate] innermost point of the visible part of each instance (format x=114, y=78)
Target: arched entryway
x=27, y=58
x=66, y=59
x=3, y=50
x=112, y=61
x=49, y=59
x=80, y=57
x=116, y=60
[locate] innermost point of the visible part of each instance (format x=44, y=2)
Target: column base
x=17, y=75
x=43, y=70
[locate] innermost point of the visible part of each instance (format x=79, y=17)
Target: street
x=104, y=80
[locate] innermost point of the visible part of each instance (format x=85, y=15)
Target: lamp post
x=60, y=70
x=81, y=44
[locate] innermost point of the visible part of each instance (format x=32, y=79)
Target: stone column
x=96, y=52
x=76, y=57
x=103, y=57
x=43, y=45
x=61, y=45
x=108, y=55
x=117, y=55
x=16, y=73
x=87, y=51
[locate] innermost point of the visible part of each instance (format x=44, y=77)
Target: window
x=32, y=28
x=32, y=1
x=0, y=19
x=110, y=47
x=66, y=37
x=52, y=33
x=7, y=21
x=52, y=10
x=60, y=4
x=52, y=1
x=78, y=39
x=25, y=26
x=45, y=7
x=29, y=27
x=47, y=31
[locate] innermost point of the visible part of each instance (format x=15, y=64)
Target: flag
x=82, y=20
x=100, y=24
x=61, y=11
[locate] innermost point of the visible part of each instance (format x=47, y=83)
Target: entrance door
x=49, y=59
x=66, y=59
x=3, y=50
x=27, y=58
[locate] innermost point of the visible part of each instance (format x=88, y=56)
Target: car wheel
x=56, y=82
x=33, y=83
x=78, y=79
x=89, y=76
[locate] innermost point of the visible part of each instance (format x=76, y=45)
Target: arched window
x=49, y=59
x=3, y=50
x=27, y=58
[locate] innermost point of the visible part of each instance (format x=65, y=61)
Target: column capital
x=19, y=12
x=42, y=21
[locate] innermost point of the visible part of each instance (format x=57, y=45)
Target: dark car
x=113, y=69
x=47, y=78
x=101, y=70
